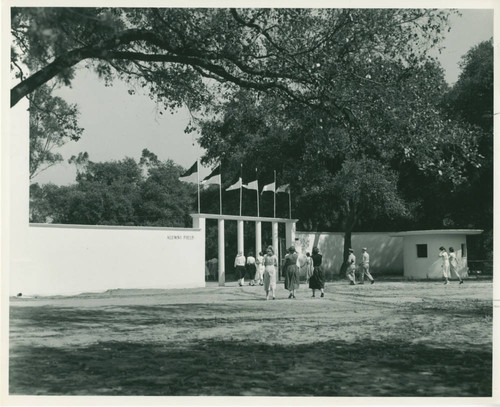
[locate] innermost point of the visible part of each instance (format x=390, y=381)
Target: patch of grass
x=332, y=368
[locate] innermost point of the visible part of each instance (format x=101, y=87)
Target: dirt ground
x=392, y=338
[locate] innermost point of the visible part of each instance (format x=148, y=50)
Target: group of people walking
x=260, y=271
x=263, y=271
x=449, y=264
x=365, y=267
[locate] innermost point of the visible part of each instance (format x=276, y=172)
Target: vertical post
x=290, y=234
x=199, y=223
x=275, y=237
x=258, y=237
x=257, y=180
x=198, y=184
x=289, y=203
x=241, y=185
x=274, y=194
x=220, y=189
x=222, y=276
x=240, y=237
x=258, y=199
x=275, y=244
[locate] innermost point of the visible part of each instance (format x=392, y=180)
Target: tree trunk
x=348, y=228
x=347, y=246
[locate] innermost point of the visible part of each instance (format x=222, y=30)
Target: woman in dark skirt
x=317, y=281
x=291, y=272
x=251, y=268
x=239, y=266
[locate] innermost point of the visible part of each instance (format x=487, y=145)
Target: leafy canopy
x=191, y=56
x=52, y=122
x=122, y=192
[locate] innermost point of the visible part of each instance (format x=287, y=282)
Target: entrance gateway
x=199, y=220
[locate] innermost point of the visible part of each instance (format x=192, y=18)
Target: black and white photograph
x=236, y=203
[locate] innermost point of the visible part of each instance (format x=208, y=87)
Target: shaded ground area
x=389, y=339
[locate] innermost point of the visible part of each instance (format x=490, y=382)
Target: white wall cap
x=439, y=232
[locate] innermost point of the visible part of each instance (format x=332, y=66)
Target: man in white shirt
x=365, y=264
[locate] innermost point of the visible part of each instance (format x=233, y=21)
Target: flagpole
x=290, y=202
x=256, y=177
x=241, y=182
x=274, y=193
x=198, y=176
x=220, y=187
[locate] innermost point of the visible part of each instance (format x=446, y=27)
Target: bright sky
x=119, y=125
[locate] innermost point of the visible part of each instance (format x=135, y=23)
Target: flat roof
x=247, y=218
x=439, y=232
x=110, y=227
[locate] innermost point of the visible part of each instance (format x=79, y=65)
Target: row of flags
x=215, y=178
x=255, y=185
x=192, y=175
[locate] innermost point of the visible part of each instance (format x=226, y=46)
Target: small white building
x=421, y=251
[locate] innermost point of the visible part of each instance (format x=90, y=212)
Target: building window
x=421, y=250
x=464, y=250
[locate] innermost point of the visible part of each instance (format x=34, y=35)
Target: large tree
x=471, y=100
x=177, y=53
x=122, y=192
x=53, y=122
x=350, y=176
x=471, y=97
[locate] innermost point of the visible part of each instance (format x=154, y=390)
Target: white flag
x=269, y=187
x=284, y=188
x=213, y=178
x=235, y=186
x=252, y=185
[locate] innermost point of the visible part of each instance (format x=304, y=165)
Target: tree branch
x=107, y=50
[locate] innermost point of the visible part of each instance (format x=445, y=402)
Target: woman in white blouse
x=454, y=264
x=239, y=266
x=445, y=266
x=271, y=264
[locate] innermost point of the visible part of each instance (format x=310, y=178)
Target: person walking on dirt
x=317, y=280
x=309, y=266
x=259, y=273
x=445, y=266
x=270, y=266
x=365, y=267
x=251, y=268
x=454, y=264
x=291, y=272
x=351, y=267
x=302, y=265
x=239, y=266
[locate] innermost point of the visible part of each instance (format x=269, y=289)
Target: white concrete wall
x=386, y=252
x=430, y=267
x=48, y=260
x=72, y=260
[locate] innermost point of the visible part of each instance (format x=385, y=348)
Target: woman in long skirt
x=239, y=266
x=454, y=264
x=309, y=266
x=445, y=266
x=270, y=265
x=317, y=281
x=291, y=272
x=259, y=274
